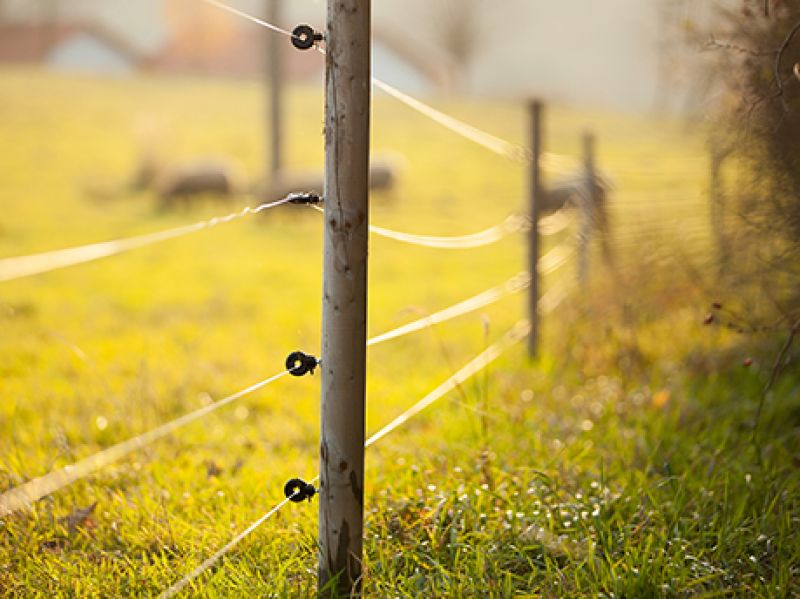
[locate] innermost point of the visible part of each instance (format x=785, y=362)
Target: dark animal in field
x=184, y=182
x=207, y=177
x=568, y=192
x=573, y=193
x=383, y=174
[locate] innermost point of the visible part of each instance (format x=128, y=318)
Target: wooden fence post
x=275, y=75
x=717, y=204
x=536, y=196
x=344, y=304
x=588, y=201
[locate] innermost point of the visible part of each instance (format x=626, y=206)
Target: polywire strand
x=693, y=252
x=664, y=227
x=482, y=138
x=657, y=231
x=516, y=334
x=695, y=241
x=512, y=224
x=251, y=18
x=69, y=474
x=515, y=152
x=474, y=240
x=24, y=495
x=549, y=263
x=481, y=300
x=630, y=219
x=556, y=222
x=554, y=297
x=555, y=258
x=668, y=197
x=684, y=206
x=556, y=162
x=24, y=266
x=208, y=563
x=635, y=223
x=660, y=236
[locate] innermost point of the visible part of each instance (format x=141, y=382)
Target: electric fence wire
x=209, y=562
x=24, y=266
x=497, y=145
x=518, y=332
x=553, y=260
x=512, y=224
x=474, y=240
x=250, y=18
x=16, y=268
x=555, y=223
x=513, y=285
x=659, y=235
x=23, y=496
x=656, y=227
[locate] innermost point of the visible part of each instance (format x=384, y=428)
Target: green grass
x=618, y=464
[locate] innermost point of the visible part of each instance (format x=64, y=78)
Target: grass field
x=620, y=463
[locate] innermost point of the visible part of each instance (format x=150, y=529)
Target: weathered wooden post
x=275, y=76
x=588, y=201
x=536, y=195
x=344, y=303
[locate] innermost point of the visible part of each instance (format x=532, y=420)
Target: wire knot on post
x=304, y=197
x=304, y=37
x=298, y=490
x=299, y=363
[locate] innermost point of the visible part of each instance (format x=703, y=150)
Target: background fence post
x=717, y=204
x=344, y=304
x=536, y=191
x=588, y=207
x=275, y=76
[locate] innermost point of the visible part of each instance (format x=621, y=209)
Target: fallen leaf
x=81, y=517
x=212, y=468
x=55, y=545
x=661, y=398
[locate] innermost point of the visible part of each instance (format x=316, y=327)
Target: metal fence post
x=588, y=207
x=717, y=204
x=275, y=76
x=536, y=197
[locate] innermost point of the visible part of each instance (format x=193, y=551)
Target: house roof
x=245, y=55
x=241, y=54
x=29, y=43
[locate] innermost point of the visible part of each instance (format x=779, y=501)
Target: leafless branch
x=713, y=44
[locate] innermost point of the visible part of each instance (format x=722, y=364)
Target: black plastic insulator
x=299, y=490
x=299, y=363
x=304, y=37
x=304, y=197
